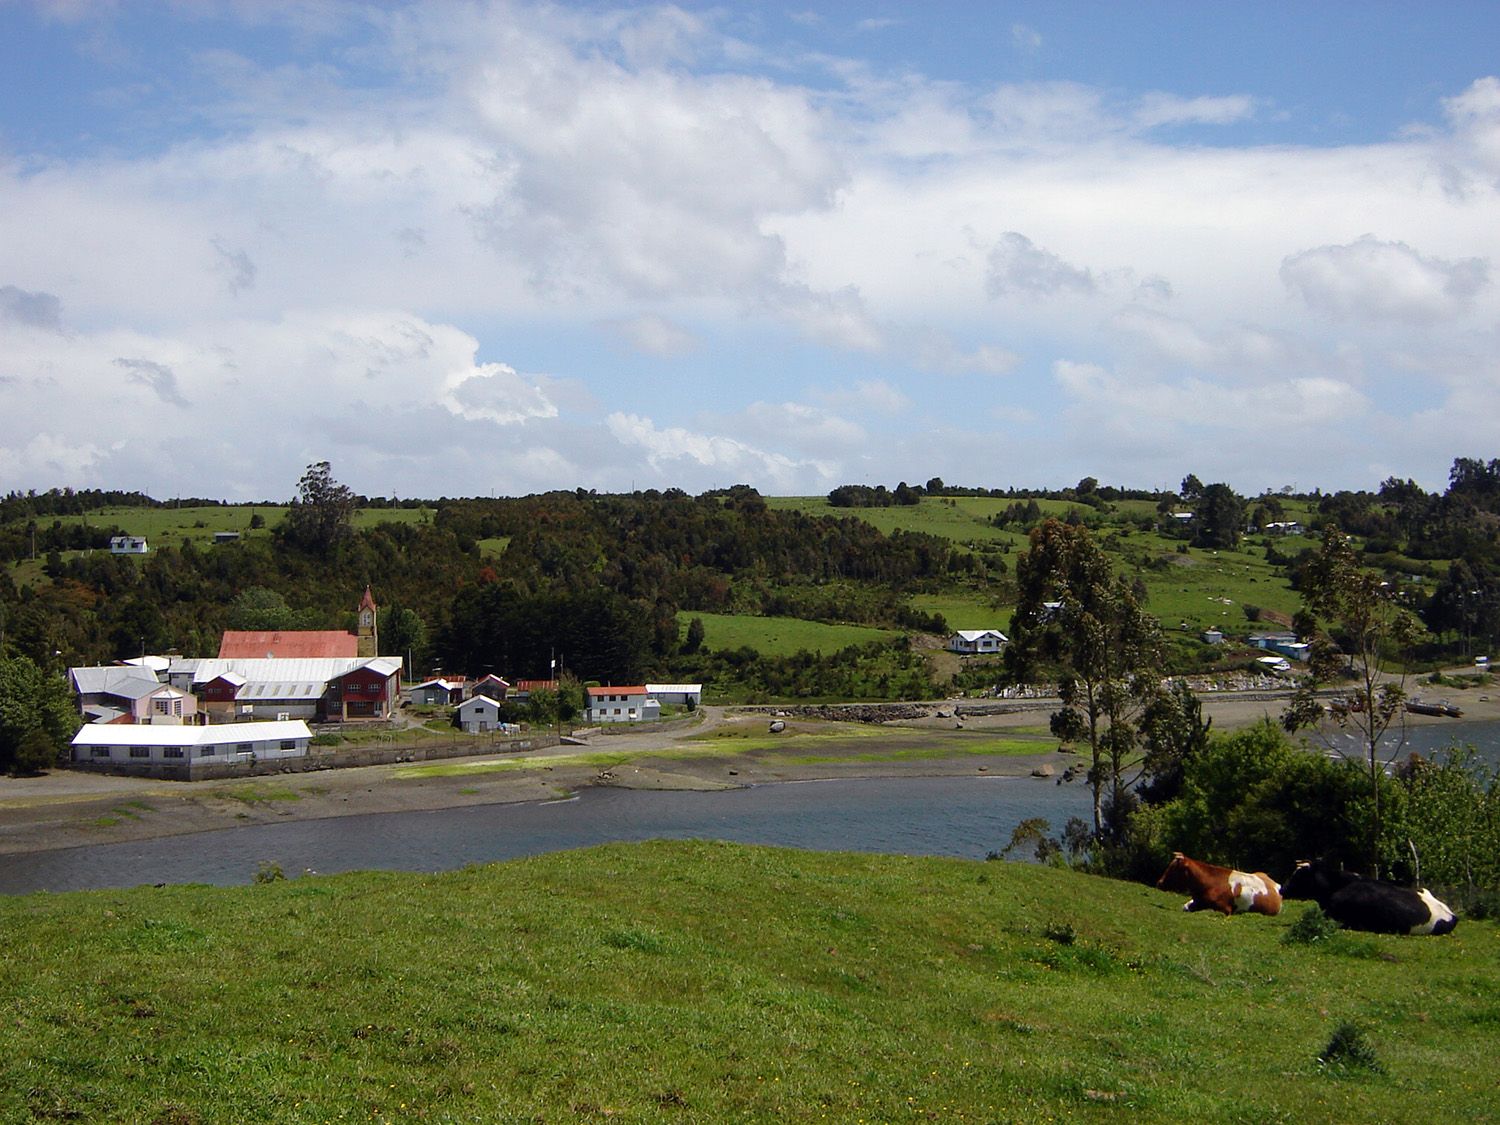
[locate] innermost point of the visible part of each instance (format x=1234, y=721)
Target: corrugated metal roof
x=291, y=644
x=126, y=682
x=216, y=735
x=320, y=669
x=674, y=689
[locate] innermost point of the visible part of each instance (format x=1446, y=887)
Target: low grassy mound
x=693, y=981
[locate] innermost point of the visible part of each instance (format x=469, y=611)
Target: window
x=208, y=751
x=140, y=751
x=101, y=751
x=245, y=747
x=289, y=744
x=163, y=706
x=171, y=752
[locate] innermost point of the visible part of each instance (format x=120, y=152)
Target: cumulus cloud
x=495, y=392
x=734, y=459
x=1378, y=281
x=34, y=310
x=1017, y=265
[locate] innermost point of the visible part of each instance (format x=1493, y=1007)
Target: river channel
x=945, y=816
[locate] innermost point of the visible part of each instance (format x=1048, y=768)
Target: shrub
x=269, y=871
x=1312, y=926
x=1348, y=1049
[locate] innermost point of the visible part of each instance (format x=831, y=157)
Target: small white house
x=621, y=705
x=437, y=692
x=127, y=545
x=190, y=746
x=479, y=714
x=976, y=642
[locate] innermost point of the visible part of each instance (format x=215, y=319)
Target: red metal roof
x=294, y=644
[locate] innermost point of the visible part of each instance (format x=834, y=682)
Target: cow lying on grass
x=1221, y=888
x=1373, y=905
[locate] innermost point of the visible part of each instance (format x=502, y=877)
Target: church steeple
x=366, y=631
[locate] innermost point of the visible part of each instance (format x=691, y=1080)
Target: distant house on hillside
x=128, y=545
x=976, y=642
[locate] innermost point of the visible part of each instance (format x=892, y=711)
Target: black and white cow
x=1373, y=905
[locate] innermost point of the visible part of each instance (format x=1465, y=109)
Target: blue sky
x=485, y=248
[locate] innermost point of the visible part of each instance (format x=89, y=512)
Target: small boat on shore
x=1445, y=709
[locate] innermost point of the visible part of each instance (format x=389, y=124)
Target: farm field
x=198, y=524
x=780, y=636
x=704, y=981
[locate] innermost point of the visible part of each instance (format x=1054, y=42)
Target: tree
x=322, y=514
x=1074, y=614
x=1190, y=489
x=1353, y=627
x=1220, y=513
x=694, y=639
x=34, y=705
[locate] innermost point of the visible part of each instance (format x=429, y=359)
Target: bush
x=1348, y=1049
x=1313, y=926
x=269, y=871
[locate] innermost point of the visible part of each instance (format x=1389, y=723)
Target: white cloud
x=652, y=335
x=1157, y=109
x=495, y=392
x=1377, y=281
x=875, y=396
x=1017, y=265
x=732, y=459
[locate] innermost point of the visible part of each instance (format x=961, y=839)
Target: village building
x=496, y=687
x=620, y=705
x=676, y=695
x=323, y=690
x=307, y=644
x=439, y=692
x=479, y=714
x=126, y=746
x=130, y=694
x=977, y=642
x=128, y=545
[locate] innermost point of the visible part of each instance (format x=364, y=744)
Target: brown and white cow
x=1221, y=888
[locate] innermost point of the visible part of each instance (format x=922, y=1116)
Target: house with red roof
x=620, y=704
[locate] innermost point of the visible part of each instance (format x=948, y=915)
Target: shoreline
x=727, y=749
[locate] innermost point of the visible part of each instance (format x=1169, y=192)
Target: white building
x=973, y=642
x=128, y=545
x=479, y=714
x=191, y=746
x=621, y=705
x=677, y=695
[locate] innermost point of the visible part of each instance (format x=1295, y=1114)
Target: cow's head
x=1172, y=878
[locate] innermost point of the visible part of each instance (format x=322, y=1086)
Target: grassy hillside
x=695, y=981
x=780, y=636
x=1189, y=587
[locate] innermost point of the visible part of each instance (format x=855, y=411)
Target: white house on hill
x=974, y=642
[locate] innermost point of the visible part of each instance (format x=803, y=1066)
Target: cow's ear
x=1178, y=855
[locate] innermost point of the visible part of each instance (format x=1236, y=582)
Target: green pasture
x=699, y=981
x=779, y=636
x=173, y=525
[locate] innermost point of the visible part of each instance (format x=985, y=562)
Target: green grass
x=707, y=982
x=256, y=794
x=780, y=636
x=172, y=526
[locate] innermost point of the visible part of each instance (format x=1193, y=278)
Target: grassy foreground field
x=694, y=981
